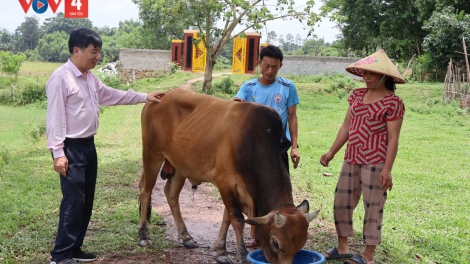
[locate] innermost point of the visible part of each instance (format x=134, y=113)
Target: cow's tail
x=149, y=209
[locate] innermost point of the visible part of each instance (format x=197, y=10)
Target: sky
x=110, y=12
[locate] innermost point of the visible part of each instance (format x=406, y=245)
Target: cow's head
x=283, y=232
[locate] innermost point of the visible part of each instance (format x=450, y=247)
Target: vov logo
x=73, y=8
x=40, y=6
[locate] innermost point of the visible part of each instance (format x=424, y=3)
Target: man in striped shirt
x=74, y=95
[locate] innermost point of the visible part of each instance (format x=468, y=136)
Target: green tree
x=361, y=25
x=394, y=25
x=30, y=32
x=10, y=41
x=281, y=40
x=155, y=33
x=105, y=31
x=446, y=29
x=298, y=41
x=226, y=55
x=427, y=7
x=110, y=49
x=129, y=34
x=289, y=44
x=400, y=29
x=10, y=64
x=53, y=47
x=243, y=14
x=272, y=37
x=312, y=47
x=67, y=25
x=5, y=39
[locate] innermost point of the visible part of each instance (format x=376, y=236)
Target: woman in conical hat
x=371, y=128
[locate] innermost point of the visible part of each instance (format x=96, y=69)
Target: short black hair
x=272, y=52
x=82, y=38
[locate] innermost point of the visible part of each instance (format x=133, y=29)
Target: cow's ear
x=304, y=207
x=262, y=220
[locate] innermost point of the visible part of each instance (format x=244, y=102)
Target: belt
x=87, y=140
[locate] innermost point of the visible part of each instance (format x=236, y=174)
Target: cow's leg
x=242, y=252
x=235, y=214
x=172, y=192
x=220, y=244
x=151, y=167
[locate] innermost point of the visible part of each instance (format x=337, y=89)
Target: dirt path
x=202, y=213
x=189, y=84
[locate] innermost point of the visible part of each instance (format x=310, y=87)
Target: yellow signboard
x=199, y=55
x=238, y=57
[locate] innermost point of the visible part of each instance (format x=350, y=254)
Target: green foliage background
x=426, y=214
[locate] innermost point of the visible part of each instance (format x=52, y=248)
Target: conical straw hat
x=377, y=62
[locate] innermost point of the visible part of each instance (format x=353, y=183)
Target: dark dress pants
x=285, y=145
x=285, y=159
x=78, y=191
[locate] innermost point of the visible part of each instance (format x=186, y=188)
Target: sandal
x=359, y=259
x=333, y=253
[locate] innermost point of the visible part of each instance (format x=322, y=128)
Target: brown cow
x=234, y=146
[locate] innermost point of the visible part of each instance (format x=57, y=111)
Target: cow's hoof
x=190, y=243
x=145, y=243
x=223, y=260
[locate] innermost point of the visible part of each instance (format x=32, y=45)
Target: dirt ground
x=202, y=213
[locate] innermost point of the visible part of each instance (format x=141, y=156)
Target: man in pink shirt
x=74, y=95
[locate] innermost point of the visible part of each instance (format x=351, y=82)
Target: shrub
x=226, y=85
x=33, y=55
x=28, y=91
x=4, y=155
x=174, y=67
x=111, y=80
x=222, y=63
x=36, y=132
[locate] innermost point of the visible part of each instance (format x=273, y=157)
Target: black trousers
x=285, y=145
x=78, y=191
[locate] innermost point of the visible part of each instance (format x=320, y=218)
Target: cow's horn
x=262, y=220
x=311, y=216
x=279, y=219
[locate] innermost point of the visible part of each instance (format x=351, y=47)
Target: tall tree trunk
x=207, y=84
x=418, y=48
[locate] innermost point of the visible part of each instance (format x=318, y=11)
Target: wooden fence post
x=466, y=57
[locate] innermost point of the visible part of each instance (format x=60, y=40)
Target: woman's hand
x=326, y=158
x=386, y=180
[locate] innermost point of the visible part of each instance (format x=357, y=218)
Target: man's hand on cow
x=155, y=96
x=238, y=100
x=325, y=159
x=61, y=164
x=295, y=157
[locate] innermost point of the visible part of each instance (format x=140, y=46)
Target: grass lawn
x=37, y=68
x=426, y=214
